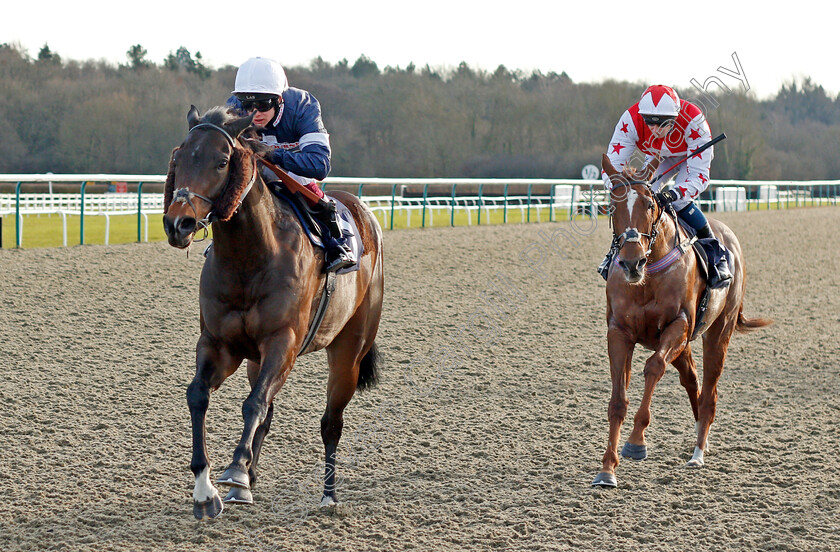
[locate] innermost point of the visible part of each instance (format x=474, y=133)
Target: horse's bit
x=185, y=195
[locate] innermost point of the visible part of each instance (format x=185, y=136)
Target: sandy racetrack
x=487, y=427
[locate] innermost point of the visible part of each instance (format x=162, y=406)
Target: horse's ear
x=193, y=117
x=651, y=167
x=607, y=165
x=238, y=126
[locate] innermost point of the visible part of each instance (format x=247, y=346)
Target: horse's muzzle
x=633, y=269
x=179, y=231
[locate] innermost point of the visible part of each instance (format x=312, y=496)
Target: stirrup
x=604, y=268
x=341, y=261
x=720, y=278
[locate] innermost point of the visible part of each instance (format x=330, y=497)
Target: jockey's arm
x=313, y=159
x=692, y=181
x=622, y=145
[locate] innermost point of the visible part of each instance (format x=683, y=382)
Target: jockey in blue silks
x=288, y=121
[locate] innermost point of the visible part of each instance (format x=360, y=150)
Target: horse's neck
x=667, y=231
x=250, y=231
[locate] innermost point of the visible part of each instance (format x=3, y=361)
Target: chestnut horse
x=260, y=287
x=653, y=293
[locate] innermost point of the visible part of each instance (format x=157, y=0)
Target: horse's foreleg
x=213, y=367
x=241, y=495
x=672, y=342
x=715, y=344
x=276, y=365
x=620, y=349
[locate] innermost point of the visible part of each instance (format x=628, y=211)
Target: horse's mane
x=242, y=164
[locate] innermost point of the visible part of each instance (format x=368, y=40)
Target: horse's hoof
x=235, y=478
x=328, y=501
x=238, y=495
x=636, y=452
x=696, y=459
x=605, y=479
x=209, y=508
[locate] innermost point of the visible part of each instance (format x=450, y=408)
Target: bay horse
x=260, y=287
x=654, y=290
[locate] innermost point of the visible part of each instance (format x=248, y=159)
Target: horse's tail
x=745, y=324
x=369, y=369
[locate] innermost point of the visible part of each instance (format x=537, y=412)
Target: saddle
x=301, y=208
x=316, y=230
x=709, y=253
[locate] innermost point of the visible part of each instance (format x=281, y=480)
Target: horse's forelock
x=219, y=115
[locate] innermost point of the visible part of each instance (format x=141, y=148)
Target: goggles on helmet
x=661, y=120
x=260, y=102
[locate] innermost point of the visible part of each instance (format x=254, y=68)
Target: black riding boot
x=338, y=254
x=719, y=274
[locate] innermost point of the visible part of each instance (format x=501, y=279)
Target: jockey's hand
x=261, y=149
x=667, y=197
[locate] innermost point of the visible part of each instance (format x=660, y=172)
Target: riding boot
x=719, y=274
x=604, y=267
x=338, y=254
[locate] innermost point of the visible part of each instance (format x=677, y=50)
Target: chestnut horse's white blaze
x=632, y=196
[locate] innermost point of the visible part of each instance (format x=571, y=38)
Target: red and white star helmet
x=661, y=101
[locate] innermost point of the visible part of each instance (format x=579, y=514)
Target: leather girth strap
x=329, y=288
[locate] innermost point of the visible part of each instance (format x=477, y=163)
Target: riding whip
x=698, y=151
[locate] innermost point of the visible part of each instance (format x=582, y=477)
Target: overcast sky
x=669, y=43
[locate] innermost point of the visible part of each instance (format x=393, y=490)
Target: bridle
x=632, y=235
x=185, y=195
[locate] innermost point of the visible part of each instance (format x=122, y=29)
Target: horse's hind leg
x=345, y=355
x=715, y=344
x=687, y=369
x=213, y=366
x=344, y=374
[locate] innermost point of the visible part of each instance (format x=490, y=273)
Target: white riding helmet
x=260, y=76
x=661, y=101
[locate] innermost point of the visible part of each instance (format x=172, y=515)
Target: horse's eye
x=223, y=163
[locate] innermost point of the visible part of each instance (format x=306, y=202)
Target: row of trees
x=67, y=116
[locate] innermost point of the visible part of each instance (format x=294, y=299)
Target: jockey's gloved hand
x=666, y=197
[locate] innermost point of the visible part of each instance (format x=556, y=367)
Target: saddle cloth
x=315, y=234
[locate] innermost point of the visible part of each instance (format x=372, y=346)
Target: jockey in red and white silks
x=688, y=131
x=661, y=124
